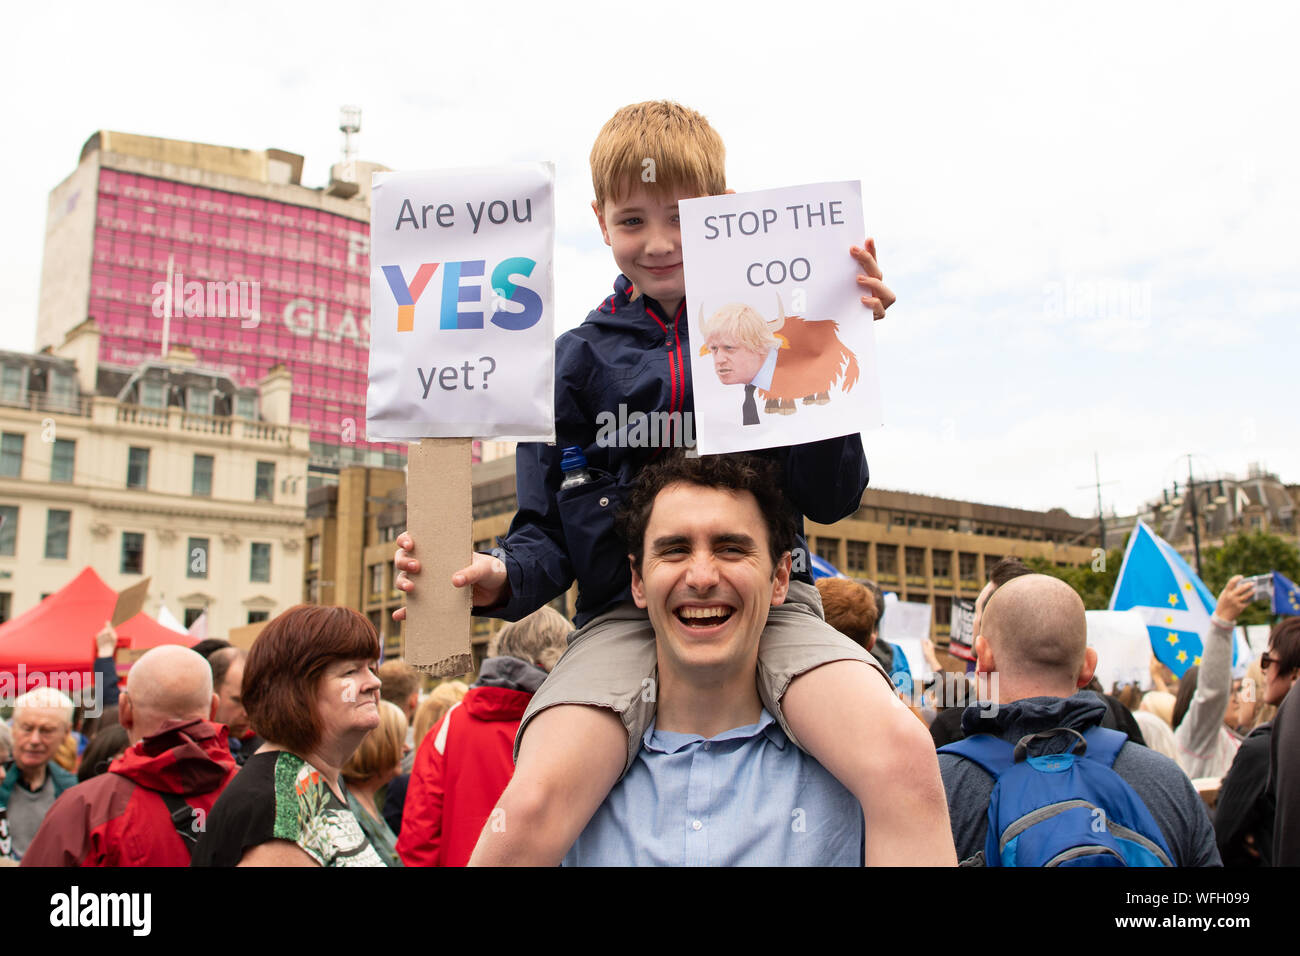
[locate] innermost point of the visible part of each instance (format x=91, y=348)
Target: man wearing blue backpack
x=1037, y=781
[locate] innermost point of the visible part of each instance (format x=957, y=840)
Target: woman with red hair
x=311, y=693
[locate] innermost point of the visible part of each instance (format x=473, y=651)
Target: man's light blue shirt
x=763, y=378
x=747, y=797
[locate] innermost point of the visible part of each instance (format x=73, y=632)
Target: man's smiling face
x=707, y=579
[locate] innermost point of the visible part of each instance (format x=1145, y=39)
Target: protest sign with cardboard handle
x=462, y=346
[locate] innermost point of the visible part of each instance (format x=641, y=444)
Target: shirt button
x=604, y=502
x=696, y=825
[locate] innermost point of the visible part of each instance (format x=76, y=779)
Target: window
x=828, y=549
x=943, y=612
x=57, y=525
x=192, y=614
x=264, y=487
x=915, y=558
x=966, y=564
x=201, y=487
x=259, y=565
x=857, y=557
x=11, y=455
x=13, y=384
x=887, y=561
x=942, y=563
x=8, y=530
x=63, y=389
x=197, y=552
x=153, y=395
x=198, y=401
x=313, y=548
x=6, y=606
x=132, y=552
x=246, y=406
x=62, y=460
x=377, y=579
x=377, y=622
x=257, y=617
x=137, y=468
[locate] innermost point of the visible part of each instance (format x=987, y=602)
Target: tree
x=1094, y=582
x=1247, y=554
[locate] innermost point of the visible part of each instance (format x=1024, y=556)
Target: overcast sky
x=1087, y=211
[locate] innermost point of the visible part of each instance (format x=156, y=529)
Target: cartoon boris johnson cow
x=783, y=360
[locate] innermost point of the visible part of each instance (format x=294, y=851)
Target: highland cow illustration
x=782, y=361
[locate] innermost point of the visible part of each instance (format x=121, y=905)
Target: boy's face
x=733, y=363
x=645, y=233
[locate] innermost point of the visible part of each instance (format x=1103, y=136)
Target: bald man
x=150, y=806
x=1033, y=653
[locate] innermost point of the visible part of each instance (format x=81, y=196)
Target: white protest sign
x=1123, y=648
x=461, y=304
x=784, y=351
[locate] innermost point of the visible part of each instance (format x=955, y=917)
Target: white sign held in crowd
x=461, y=304
x=784, y=351
x=1123, y=648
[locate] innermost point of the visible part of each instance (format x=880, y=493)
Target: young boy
x=585, y=725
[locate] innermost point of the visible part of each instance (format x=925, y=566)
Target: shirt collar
x=763, y=379
x=668, y=742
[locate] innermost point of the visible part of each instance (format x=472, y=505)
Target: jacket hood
x=185, y=757
x=510, y=673
x=1035, y=714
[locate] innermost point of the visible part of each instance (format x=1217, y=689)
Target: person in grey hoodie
x=1033, y=646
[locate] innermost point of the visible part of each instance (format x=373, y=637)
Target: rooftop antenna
x=349, y=126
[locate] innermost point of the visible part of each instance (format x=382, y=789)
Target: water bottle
x=574, y=466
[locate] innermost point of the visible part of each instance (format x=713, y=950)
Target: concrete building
x=350, y=532
x=223, y=251
x=926, y=549
x=166, y=470
x=1219, y=508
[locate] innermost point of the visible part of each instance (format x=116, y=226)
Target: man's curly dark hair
x=760, y=477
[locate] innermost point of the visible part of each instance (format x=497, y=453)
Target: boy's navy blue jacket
x=629, y=353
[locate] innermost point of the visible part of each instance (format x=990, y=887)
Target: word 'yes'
x=455, y=291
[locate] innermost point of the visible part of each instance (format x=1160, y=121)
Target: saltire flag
x=821, y=568
x=1155, y=581
x=1286, y=596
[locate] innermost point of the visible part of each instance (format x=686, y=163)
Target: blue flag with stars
x=1286, y=596
x=1155, y=581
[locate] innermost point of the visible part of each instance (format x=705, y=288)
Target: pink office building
x=168, y=243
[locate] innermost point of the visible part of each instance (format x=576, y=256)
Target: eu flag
x=1155, y=581
x=1286, y=596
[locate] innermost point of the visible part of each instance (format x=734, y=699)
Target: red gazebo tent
x=56, y=638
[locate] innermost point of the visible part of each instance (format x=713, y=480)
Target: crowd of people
x=709, y=705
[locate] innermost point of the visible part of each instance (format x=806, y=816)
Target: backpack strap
x=993, y=754
x=1104, y=745
x=182, y=815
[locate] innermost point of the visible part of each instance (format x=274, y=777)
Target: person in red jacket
x=151, y=805
x=464, y=761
